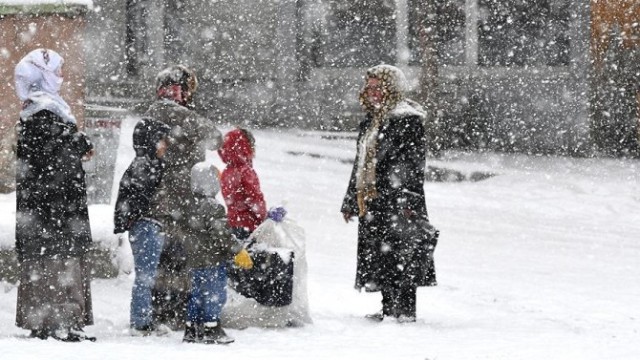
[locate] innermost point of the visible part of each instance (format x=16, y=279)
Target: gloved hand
x=243, y=260
x=347, y=216
x=277, y=214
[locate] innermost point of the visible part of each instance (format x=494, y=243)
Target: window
x=493, y=32
x=523, y=32
x=450, y=23
x=359, y=33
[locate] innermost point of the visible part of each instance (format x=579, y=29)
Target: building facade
x=511, y=75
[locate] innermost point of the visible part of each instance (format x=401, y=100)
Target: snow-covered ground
x=540, y=261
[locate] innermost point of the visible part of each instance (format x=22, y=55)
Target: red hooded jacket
x=239, y=182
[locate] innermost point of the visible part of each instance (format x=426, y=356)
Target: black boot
x=66, y=335
x=407, y=304
x=213, y=333
x=41, y=334
x=191, y=332
x=79, y=333
x=389, y=301
x=377, y=317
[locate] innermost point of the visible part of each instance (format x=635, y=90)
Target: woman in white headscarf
x=52, y=220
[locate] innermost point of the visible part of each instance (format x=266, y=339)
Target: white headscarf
x=38, y=80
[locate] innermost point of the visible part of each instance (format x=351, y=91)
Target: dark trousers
x=241, y=233
x=399, y=300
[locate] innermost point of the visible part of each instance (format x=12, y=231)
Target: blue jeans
x=208, y=294
x=146, y=246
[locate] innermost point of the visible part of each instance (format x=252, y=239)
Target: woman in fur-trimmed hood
x=386, y=192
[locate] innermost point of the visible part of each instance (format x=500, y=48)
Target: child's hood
x=205, y=180
x=146, y=136
x=236, y=148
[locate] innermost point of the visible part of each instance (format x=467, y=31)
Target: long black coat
x=52, y=217
x=394, y=248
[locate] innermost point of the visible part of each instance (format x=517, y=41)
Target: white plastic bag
x=242, y=312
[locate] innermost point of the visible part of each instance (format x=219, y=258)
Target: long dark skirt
x=54, y=294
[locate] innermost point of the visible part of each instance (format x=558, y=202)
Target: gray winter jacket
x=205, y=235
x=190, y=135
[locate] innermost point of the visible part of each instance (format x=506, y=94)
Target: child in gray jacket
x=209, y=245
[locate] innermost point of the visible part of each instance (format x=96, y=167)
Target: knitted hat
x=205, y=179
x=177, y=83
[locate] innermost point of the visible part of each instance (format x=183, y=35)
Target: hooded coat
x=393, y=247
x=207, y=239
x=141, y=179
x=239, y=182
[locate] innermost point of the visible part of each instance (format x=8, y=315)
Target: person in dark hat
x=189, y=136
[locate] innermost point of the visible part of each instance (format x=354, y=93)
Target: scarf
x=392, y=83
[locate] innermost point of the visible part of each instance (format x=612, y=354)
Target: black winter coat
x=394, y=248
x=137, y=187
x=52, y=218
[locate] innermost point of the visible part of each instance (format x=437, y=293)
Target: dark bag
x=428, y=245
x=269, y=281
x=425, y=238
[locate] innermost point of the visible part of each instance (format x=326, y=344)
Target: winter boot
x=151, y=329
x=213, y=333
x=377, y=317
x=192, y=333
x=406, y=309
x=71, y=335
x=42, y=334
x=79, y=333
x=403, y=319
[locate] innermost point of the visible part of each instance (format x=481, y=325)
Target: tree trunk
x=429, y=83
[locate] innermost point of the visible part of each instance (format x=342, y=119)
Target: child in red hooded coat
x=246, y=208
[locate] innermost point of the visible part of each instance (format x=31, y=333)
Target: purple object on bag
x=277, y=214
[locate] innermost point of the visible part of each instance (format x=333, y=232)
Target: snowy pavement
x=540, y=261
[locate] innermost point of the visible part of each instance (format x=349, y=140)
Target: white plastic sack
x=122, y=257
x=242, y=312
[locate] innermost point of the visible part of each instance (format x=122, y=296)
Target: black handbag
x=425, y=238
x=429, y=242
x=269, y=281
